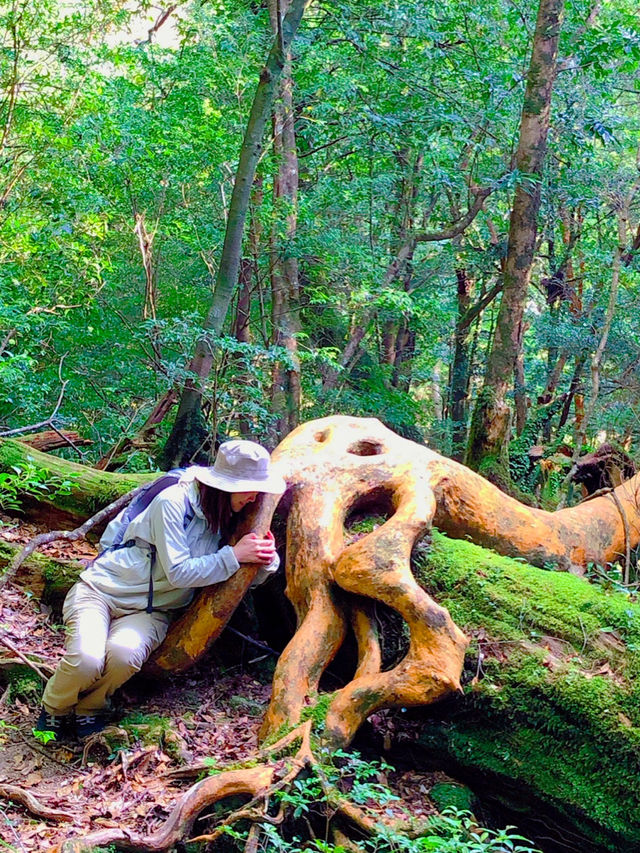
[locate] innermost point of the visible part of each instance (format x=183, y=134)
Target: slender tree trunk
x=490, y=428
x=460, y=368
x=285, y=393
x=189, y=429
x=360, y=325
x=596, y=359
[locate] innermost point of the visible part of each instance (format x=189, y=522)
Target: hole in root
x=366, y=448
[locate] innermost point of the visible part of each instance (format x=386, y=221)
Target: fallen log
x=53, y=439
x=48, y=579
x=89, y=490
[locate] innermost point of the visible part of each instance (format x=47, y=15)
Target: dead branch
x=34, y=666
x=53, y=439
x=32, y=804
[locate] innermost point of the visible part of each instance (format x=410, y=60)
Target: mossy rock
x=23, y=683
x=554, y=707
x=246, y=706
x=446, y=795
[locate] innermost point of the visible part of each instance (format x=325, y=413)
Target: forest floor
x=211, y=714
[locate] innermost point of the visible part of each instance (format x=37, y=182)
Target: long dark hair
x=216, y=508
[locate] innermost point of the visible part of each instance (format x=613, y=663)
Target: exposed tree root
x=344, y=819
x=19, y=795
x=258, y=782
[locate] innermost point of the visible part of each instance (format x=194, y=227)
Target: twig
x=23, y=658
x=627, y=536
x=263, y=646
x=47, y=422
x=12, y=827
x=68, y=441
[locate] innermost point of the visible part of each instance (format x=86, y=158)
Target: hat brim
x=273, y=485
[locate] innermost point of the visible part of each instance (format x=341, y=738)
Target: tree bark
x=188, y=430
x=489, y=434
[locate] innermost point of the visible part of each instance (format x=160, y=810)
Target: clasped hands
x=255, y=549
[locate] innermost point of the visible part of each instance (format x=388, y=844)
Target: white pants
x=104, y=648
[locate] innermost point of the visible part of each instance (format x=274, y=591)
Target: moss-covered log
x=88, y=489
x=550, y=717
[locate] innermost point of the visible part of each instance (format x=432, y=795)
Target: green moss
x=90, y=489
x=246, y=706
x=452, y=795
x=557, y=707
x=149, y=728
x=317, y=712
x=24, y=684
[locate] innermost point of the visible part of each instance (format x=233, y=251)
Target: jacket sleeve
x=183, y=570
x=265, y=572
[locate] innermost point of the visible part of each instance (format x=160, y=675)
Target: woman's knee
x=84, y=666
x=125, y=658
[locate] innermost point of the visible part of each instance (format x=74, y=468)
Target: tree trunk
x=489, y=434
x=285, y=393
x=189, y=430
x=458, y=388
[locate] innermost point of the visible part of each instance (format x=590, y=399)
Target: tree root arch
x=332, y=469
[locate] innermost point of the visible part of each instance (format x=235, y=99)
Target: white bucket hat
x=242, y=466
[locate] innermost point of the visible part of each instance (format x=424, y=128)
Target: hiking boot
x=59, y=724
x=90, y=724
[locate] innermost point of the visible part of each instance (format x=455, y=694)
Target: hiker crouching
x=151, y=560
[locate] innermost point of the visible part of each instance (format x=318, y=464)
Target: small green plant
x=43, y=736
x=304, y=793
x=4, y=731
x=364, y=778
x=610, y=577
x=29, y=481
x=453, y=831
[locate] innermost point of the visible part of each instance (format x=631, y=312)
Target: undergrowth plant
x=32, y=482
x=307, y=803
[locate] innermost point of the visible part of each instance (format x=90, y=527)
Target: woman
x=120, y=609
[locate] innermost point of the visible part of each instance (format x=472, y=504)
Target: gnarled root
x=332, y=471
x=342, y=818
x=259, y=782
x=33, y=804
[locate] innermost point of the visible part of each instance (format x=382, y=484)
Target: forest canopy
x=118, y=159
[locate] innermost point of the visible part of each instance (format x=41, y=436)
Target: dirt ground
x=211, y=714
